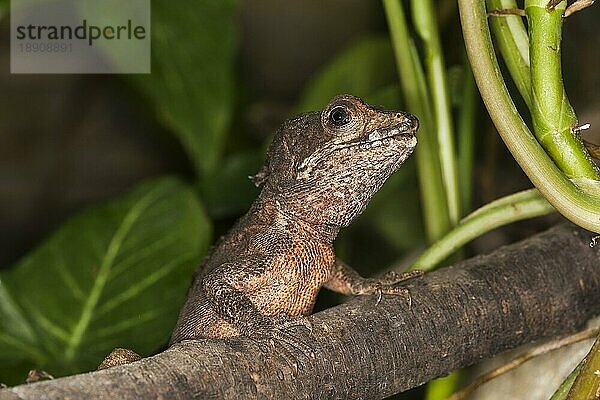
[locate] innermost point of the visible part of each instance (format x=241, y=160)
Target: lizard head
x=325, y=166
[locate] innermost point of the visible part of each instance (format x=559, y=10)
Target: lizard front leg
x=221, y=286
x=224, y=289
x=347, y=281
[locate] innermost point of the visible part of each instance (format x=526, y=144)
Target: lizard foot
x=390, y=283
x=283, y=322
x=393, y=277
x=387, y=284
x=394, y=290
x=275, y=329
x=119, y=356
x=265, y=326
x=37, y=375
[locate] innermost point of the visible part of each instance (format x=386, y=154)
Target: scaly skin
x=320, y=173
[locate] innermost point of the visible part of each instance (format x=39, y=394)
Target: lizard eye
x=339, y=116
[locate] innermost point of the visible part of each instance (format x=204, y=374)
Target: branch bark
x=545, y=286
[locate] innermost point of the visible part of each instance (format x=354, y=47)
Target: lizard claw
x=390, y=284
x=287, y=322
x=275, y=329
x=395, y=291
x=292, y=341
x=281, y=333
x=379, y=293
x=37, y=375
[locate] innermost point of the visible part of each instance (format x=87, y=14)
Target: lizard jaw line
x=371, y=141
x=374, y=139
x=387, y=133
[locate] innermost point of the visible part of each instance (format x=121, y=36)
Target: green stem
x=424, y=19
x=587, y=383
x=577, y=205
x=513, y=43
x=541, y=85
x=516, y=207
x=466, y=137
x=433, y=195
x=552, y=114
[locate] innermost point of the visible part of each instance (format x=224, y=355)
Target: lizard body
x=320, y=173
x=321, y=170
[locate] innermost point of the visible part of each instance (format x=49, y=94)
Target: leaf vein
x=140, y=286
x=104, y=271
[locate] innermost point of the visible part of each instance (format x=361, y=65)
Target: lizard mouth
x=381, y=134
x=405, y=127
x=384, y=136
x=398, y=135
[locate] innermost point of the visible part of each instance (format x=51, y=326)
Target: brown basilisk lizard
x=322, y=169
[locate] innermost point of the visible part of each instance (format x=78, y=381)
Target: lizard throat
x=280, y=215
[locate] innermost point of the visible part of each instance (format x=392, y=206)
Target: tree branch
x=545, y=286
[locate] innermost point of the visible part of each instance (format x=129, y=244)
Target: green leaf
x=114, y=275
x=191, y=84
x=361, y=69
